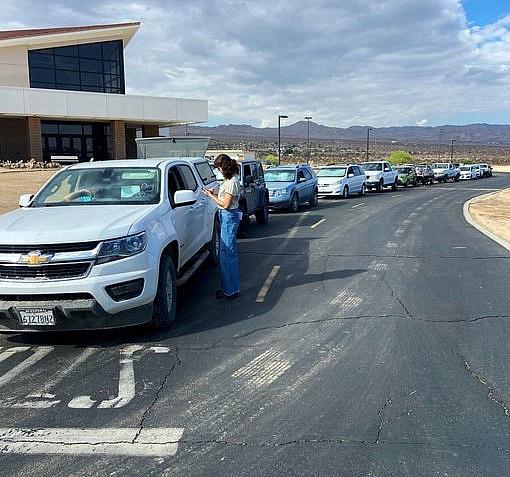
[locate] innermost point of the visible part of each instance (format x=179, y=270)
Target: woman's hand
x=209, y=192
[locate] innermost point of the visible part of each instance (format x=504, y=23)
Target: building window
x=83, y=140
x=93, y=67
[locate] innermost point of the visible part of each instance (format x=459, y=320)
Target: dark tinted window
x=190, y=182
x=42, y=60
x=205, y=172
x=307, y=174
x=95, y=67
x=175, y=183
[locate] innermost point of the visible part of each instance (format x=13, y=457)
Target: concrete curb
x=476, y=225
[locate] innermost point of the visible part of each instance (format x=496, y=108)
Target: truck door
x=249, y=187
x=186, y=219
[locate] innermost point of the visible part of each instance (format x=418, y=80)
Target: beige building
x=62, y=94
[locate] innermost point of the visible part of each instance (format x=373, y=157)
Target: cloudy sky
x=344, y=62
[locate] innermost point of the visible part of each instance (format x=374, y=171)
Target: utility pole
x=368, y=142
x=308, y=135
x=280, y=116
x=451, y=152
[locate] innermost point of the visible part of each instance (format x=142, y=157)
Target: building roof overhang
x=40, y=37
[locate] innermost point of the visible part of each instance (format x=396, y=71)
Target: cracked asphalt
x=381, y=349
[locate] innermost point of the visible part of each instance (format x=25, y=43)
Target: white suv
x=341, y=180
x=105, y=244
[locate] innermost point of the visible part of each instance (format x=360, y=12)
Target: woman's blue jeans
x=229, y=263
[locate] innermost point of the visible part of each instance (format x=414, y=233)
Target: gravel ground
x=492, y=211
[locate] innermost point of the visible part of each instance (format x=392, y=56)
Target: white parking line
x=346, y=301
x=156, y=442
x=358, y=205
x=318, y=223
x=267, y=284
x=39, y=354
x=264, y=369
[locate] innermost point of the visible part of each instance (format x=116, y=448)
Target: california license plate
x=36, y=317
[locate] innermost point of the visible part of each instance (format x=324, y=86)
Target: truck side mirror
x=25, y=200
x=184, y=197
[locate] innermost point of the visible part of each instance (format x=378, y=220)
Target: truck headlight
x=121, y=248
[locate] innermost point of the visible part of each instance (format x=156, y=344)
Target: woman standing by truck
x=228, y=202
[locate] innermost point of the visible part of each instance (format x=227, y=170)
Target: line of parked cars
x=106, y=244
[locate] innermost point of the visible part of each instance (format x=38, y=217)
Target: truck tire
x=262, y=215
x=457, y=178
x=345, y=193
x=394, y=186
x=314, y=201
x=214, y=245
x=294, y=203
x=362, y=191
x=165, y=303
x=380, y=186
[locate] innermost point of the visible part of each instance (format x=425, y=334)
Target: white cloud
x=422, y=122
x=378, y=62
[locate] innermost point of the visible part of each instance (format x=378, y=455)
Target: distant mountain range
x=483, y=134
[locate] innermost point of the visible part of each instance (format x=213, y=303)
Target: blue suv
x=290, y=186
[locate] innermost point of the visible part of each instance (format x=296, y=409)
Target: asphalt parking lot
x=379, y=346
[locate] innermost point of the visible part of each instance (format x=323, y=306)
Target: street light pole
x=280, y=116
x=308, y=136
x=451, y=152
x=368, y=141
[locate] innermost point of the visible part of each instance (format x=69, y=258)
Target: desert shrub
x=400, y=157
x=271, y=159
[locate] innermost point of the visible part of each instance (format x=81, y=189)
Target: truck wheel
x=294, y=203
x=165, y=304
x=379, y=187
x=345, y=193
x=394, y=186
x=361, y=193
x=214, y=245
x=314, y=201
x=262, y=215
x=457, y=178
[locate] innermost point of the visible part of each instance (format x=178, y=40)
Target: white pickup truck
x=445, y=170
x=105, y=244
x=380, y=175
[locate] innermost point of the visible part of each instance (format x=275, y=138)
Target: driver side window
x=175, y=183
x=300, y=175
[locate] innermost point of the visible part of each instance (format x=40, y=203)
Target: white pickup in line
x=156, y=442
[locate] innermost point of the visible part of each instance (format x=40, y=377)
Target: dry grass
x=14, y=184
x=492, y=211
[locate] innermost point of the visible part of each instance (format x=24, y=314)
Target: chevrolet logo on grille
x=35, y=258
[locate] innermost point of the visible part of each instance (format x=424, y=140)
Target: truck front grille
x=58, y=271
x=50, y=248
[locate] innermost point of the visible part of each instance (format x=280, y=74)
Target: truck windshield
x=280, y=176
x=101, y=186
x=465, y=168
x=332, y=172
x=372, y=166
